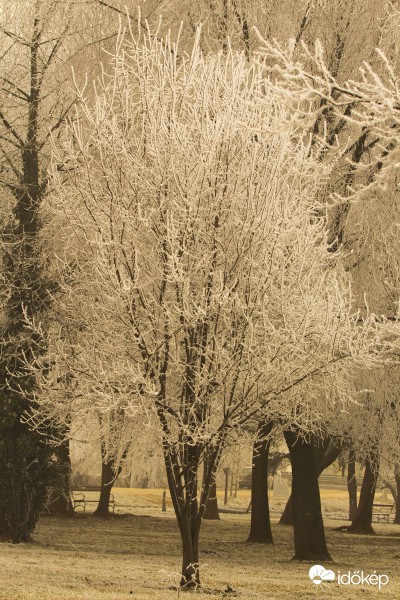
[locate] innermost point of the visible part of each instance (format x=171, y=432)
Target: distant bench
x=382, y=512
x=79, y=499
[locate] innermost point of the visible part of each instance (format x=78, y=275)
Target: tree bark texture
x=352, y=484
x=109, y=473
x=183, y=487
x=107, y=480
x=211, y=511
x=287, y=515
x=190, y=532
x=362, y=522
x=183, y=490
x=326, y=455
x=260, y=525
x=309, y=534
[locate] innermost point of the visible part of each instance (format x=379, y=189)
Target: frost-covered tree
x=40, y=40
x=363, y=217
x=191, y=212
x=32, y=38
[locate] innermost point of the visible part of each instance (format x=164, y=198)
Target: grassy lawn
x=138, y=556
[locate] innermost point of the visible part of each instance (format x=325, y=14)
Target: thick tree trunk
x=211, y=512
x=326, y=457
x=107, y=480
x=182, y=483
x=309, y=534
x=362, y=522
x=352, y=485
x=260, y=525
x=397, y=514
x=190, y=531
x=320, y=449
x=287, y=515
x=109, y=473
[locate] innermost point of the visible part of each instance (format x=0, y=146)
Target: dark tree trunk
x=309, y=534
x=182, y=483
x=397, y=514
x=328, y=458
x=362, y=522
x=188, y=515
x=320, y=449
x=211, y=511
x=352, y=485
x=260, y=525
x=287, y=515
x=190, y=532
x=326, y=455
x=226, y=473
x=62, y=505
x=107, y=480
x=242, y=20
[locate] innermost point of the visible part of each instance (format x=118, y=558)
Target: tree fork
x=188, y=522
x=362, y=522
x=325, y=459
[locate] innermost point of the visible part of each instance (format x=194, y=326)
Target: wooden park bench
x=382, y=512
x=79, y=500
